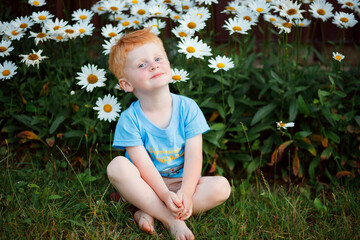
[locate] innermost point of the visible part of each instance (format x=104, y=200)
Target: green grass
x=47, y=200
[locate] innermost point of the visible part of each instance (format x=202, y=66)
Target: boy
x=162, y=134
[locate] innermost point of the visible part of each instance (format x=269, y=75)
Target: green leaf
x=302, y=134
x=262, y=112
x=313, y=165
x=231, y=103
x=303, y=108
x=357, y=119
x=293, y=110
x=56, y=124
x=217, y=126
x=318, y=205
x=340, y=93
x=276, y=77
x=333, y=136
x=74, y=133
x=54, y=197
x=322, y=94
x=326, y=153
x=33, y=185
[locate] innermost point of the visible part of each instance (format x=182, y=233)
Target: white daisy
x=23, y=23
x=108, y=108
x=69, y=32
x=155, y=25
x=248, y=15
x=55, y=25
x=271, y=18
x=184, y=6
x=37, y=3
x=291, y=10
x=114, y=6
x=5, y=48
x=231, y=8
x=284, y=125
x=13, y=33
x=118, y=17
x=237, y=25
x=321, y=9
x=109, y=44
x=136, y=22
x=58, y=37
x=42, y=16
x=98, y=8
x=221, y=63
x=201, y=12
x=110, y=31
x=192, y=23
x=283, y=25
x=338, y=56
x=181, y=32
x=84, y=28
x=82, y=15
x=33, y=58
x=179, y=75
x=40, y=36
x=7, y=70
x=350, y=4
x=91, y=77
x=126, y=23
x=140, y=10
x=206, y=2
x=193, y=47
x=175, y=16
x=344, y=20
x=259, y=6
x=302, y=23
x=159, y=11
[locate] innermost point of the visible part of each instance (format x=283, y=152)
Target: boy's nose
x=154, y=66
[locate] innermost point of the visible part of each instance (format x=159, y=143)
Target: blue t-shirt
x=166, y=147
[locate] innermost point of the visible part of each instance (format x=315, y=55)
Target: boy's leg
x=126, y=178
x=210, y=192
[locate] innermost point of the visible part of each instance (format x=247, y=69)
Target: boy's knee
x=119, y=167
x=223, y=188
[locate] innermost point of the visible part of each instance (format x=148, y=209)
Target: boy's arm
x=151, y=175
x=192, y=173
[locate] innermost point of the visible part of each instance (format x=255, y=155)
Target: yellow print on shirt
x=170, y=155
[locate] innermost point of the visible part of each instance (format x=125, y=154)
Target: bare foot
x=180, y=231
x=145, y=221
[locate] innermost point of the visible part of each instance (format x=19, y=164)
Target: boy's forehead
x=141, y=50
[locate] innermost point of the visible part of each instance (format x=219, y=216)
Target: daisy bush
x=254, y=67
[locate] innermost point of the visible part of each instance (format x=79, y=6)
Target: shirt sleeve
x=127, y=132
x=195, y=122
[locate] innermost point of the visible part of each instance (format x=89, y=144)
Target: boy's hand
x=187, y=205
x=174, y=204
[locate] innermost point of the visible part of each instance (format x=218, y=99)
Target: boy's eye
x=142, y=65
x=157, y=59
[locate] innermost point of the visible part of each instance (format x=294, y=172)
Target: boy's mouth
x=156, y=75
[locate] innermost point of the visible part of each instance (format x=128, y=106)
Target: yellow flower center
x=69, y=31
x=237, y=29
x=134, y=1
x=350, y=4
x=92, y=79
x=185, y=7
x=182, y=34
x=23, y=25
x=259, y=10
x=14, y=33
x=167, y=1
x=33, y=57
x=321, y=12
x=176, y=77
x=141, y=11
x=282, y=124
x=36, y=3
x=136, y=22
x=112, y=34
x=107, y=108
x=287, y=25
x=301, y=24
x=177, y=17
x=220, y=65
x=338, y=57
x=190, y=49
x=126, y=23
x=344, y=19
x=247, y=18
x=230, y=8
x=6, y=72
x=114, y=8
x=100, y=8
x=158, y=13
x=118, y=18
x=3, y=49
x=272, y=19
x=83, y=17
x=42, y=17
x=291, y=12
x=156, y=26
x=200, y=15
x=59, y=37
x=81, y=30
x=41, y=35
x=191, y=25
x=56, y=28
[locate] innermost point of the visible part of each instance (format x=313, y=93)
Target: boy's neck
x=155, y=100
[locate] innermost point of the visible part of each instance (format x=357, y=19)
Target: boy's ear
x=125, y=85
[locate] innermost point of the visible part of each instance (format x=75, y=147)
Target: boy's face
x=147, y=68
